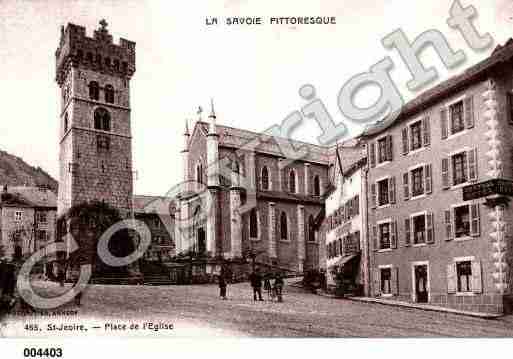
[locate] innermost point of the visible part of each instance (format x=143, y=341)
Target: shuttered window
x=469, y=111
x=407, y=232
x=444, y=123
x=445, y=173
x=406, y=186
x=426, y=131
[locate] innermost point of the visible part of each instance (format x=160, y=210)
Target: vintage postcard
x=255, y=169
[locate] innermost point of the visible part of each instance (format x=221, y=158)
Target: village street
x=197, y=311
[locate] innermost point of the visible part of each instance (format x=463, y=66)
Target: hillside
x=16, y=172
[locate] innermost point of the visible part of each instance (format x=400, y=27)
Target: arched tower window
x=284, y=227
x=94, y=90
x=66, y=122
x=292, y=181
x=265, y=178
x=116, y=64
x=101, y=119
x=109, y=94
x=253, y=223
x=199, y=173
x=317, y=186
x=311, y=229
x=89, y=57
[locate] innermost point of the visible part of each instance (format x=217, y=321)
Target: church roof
x=273, y=145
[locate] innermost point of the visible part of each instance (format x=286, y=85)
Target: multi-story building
x=347, y=252
x=263, y=204
x=430, y=243
x=27, y=220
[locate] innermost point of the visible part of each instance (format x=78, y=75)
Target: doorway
x=202, y=241
x=421, y=284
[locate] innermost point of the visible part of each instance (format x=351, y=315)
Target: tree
x=86, y=222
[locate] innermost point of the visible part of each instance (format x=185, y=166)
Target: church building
x=244, y=197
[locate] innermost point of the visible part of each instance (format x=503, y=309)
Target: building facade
x=27, y=221
x=255, y=200
x=347, y=251
x=95, y=157
x=430, y=244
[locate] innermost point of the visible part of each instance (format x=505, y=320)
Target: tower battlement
x=98, y=53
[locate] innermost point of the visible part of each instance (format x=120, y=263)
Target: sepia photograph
x=243, y=169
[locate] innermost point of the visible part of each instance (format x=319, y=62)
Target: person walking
x=222, y=285
x=256, y=283
x=267, y=286
x=278, y=287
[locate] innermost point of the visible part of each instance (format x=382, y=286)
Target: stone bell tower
x=93, y=75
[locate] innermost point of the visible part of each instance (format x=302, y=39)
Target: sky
x=253, y=73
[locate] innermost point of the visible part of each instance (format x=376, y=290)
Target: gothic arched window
x=109, y=94
x=101, y=119
x=284, y=227
x=199, y=173
x=292, y=181
x=311, y=229
x=253, y=223
x=317, y=186
x=265, y=178
x=94, y=90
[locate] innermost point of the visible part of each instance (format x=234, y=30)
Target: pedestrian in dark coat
x=255, y=279
x=278, y=287
x=222, y=285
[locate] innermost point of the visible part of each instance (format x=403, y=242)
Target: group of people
x=273, y=285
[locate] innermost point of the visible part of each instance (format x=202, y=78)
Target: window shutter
x=430, y=233
x=394, y=279
x=474, y=220
x=406, y=186
x=443, y=123
x=393, y=234
x=375, y=237
x=372, y=154
x=448, y=225
x=428, y=178
x=477, y=283
x=373, y=195
x=407, y=232
x=472, y=164
x=389, y=147
x=377, y=282
x=468, y=104
x=451, y=278
x=405, y=140
x=445, y=173
x=426, y=131
x=391, y=189
x=357, y=204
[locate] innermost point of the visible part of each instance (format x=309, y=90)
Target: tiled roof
x=33, y=196
x=477, y=72
x=152, y=204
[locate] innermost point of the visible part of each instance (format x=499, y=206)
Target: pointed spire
x=212, y=112
x=186, y=127
x=212, y=117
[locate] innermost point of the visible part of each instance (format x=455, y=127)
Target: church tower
x=93, y=75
